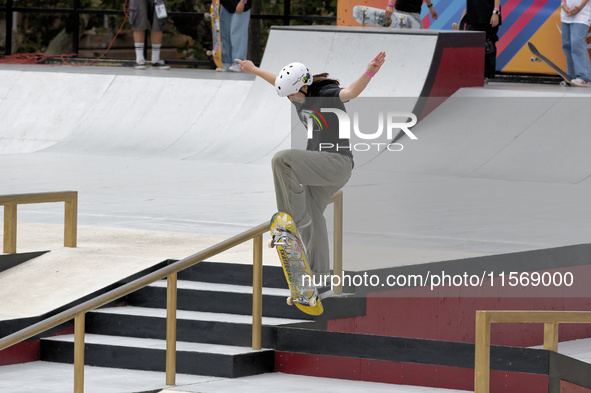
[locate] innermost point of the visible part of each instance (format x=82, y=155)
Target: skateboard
x=538, y=57
x=461, y=25
x=295, y=264
x=369, y=16
x=216, y=37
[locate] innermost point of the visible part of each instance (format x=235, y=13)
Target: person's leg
x=579, y=52
x=566, y=48
x=304, y=183
x=138, y=18
x=225, y=29
x=239, y=37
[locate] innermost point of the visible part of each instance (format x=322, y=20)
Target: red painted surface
x=458, y=67
x=405, y=373
x=27, y=351
x=567, y=387
x=449, y=314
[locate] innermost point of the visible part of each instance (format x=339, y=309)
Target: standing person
x=575, y=16
x=305, y=180
x=485, y=15
x=234, y=21
x=410, y=7
x=141, y=12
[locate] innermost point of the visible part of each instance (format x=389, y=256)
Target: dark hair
x=324, y=79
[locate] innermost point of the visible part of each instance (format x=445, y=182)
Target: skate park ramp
x=180, y=116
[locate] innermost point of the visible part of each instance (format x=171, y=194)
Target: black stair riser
x=232, y=273
x=217, y=365
x=209, y=332
x=220, y=302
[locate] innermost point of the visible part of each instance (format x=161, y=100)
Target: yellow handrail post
x=257, y=292
x=71, y=222
x=338, y=242
x=171, y=306
x=482, y=353
x=551, y=336
x=9, y=228
x=79, y=331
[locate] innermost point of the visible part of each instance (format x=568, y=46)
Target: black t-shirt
x=410, y=6
x=480, y=11
x=325, y=135
x=231, y=5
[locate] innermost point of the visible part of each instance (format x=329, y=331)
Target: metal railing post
x=338, y=242
x=79, y=331
x=482, y=353
x=257, y=292
x=171, y=306
x=10, y=228
x=71, y=222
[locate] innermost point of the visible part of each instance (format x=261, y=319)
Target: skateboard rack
x=169, y=272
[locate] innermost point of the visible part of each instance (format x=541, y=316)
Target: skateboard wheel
x=312, y=302
x=289, y=301
x=270, y=244
x=563, y=83
x=455, y=26
x=209, y=53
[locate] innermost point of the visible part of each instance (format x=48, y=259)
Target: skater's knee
x=280, y=159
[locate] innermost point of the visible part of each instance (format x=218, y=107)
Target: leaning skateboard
x=370, y=16
x=295, y=264
x=461, y=25
x=216, y=37
x=539, y=57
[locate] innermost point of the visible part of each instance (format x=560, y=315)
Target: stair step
x=149, y=354
x=192, y=326
x=232, y=273
x=218, y=298
x=196, y=315
x=215, y=287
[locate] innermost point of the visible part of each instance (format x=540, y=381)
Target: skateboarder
x=305, y=180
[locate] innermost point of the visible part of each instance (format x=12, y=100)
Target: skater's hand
x=246, y=66
x=374, y=66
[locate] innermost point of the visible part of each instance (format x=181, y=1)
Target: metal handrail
x=485, y=318
x=170, y=273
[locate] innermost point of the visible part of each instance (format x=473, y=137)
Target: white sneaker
x=580, y=82
x=140, y=66
x=221, y=69
x=235, y=68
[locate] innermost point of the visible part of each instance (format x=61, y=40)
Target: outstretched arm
x=249, y=67
x=360, y=84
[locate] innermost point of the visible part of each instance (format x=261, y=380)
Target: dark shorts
x=140, y=13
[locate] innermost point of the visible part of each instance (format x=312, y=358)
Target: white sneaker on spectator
x=580, y=82
x=235, y=68
x=139, y=66
x=222, y=69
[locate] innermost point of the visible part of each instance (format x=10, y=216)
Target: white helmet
x=292, y=78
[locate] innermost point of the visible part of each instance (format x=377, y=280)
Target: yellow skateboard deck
x=294, y=262
x=216, y=37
